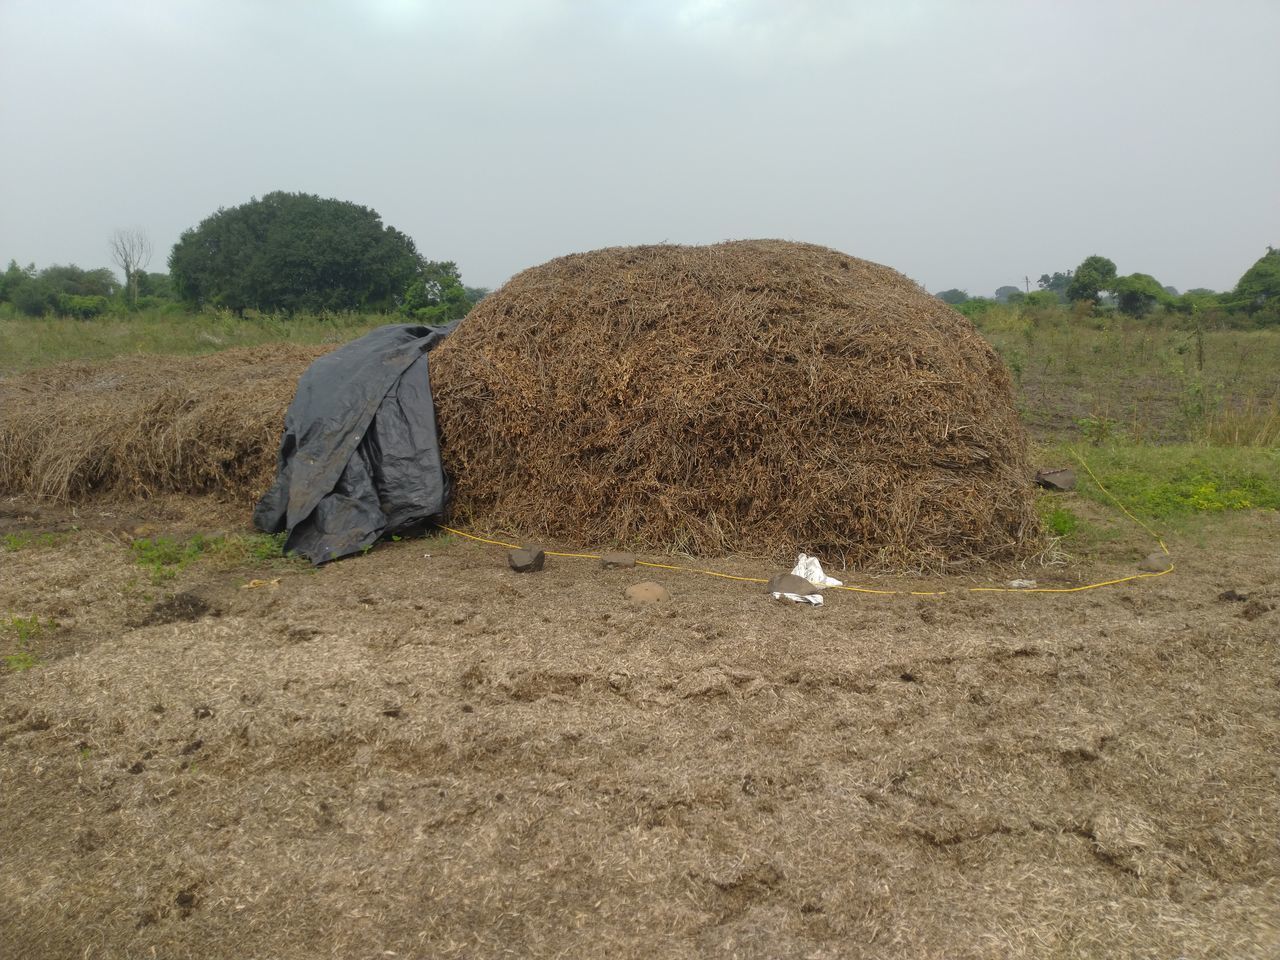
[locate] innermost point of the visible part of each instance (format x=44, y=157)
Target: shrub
x=71, y=305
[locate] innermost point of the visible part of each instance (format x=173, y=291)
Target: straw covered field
x=420, y=753
x=207, y=751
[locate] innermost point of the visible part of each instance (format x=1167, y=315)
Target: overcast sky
x=966, y=144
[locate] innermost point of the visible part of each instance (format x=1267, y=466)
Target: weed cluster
x=165, y=557
x=23, y=630
x=21, y=540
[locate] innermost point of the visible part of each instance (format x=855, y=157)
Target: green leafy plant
x=13, y=542
x=26, y=629
x=165, y=557
x=267, y=546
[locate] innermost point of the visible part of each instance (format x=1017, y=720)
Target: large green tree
x=1139, y=293
x=1260, y=285
x=1094, y=275
x=437, y=295
x=294, y=252
x=1056, y=284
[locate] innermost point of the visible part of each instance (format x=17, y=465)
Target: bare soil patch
x=422, y=753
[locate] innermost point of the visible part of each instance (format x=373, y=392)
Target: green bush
x=975, y=306
x=82, y=308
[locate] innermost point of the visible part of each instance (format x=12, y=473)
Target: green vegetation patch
x=13, y=542
x=23, y=630
x=1059, y=521
x=165, y=557
x=1168, y=482
x=22, y=660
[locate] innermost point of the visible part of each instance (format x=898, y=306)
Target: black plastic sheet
x=360, y=456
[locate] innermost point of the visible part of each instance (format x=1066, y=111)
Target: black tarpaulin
x=360, y=456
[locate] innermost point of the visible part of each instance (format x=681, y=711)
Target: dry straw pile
x=141, y=425
x=757, y=396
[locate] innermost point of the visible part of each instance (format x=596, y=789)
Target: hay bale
x=757, y=396
x=142, y=425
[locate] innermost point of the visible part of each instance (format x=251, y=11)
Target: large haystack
x=140, y=425
x=757, y=396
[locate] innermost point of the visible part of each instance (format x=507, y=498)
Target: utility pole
x=1027, y=281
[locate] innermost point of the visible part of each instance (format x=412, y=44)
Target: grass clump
x=165, y=557
x=1059, y=521
x=251, y=549
x=24, y=630
x=22, y=660
x=21, y=540
x=1248, y=422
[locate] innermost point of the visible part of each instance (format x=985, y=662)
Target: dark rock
x=792, y=583
x=1062, y=479
x=1232, y=596
x=619, y=560
x=527, y=559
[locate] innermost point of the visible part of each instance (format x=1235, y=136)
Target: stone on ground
x=1156, y=563
x=647, y=592
x=1062, y=479
x=527, y=559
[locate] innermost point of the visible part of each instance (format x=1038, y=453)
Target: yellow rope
x=709, y=573
x=871, y=590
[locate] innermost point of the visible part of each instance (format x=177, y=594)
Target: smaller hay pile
x=141, y=425
x=756, y=396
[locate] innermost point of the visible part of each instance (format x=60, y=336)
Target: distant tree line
x=285, y=253
x=1096, y=284
x=75, y=292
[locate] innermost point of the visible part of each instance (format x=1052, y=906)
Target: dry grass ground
x=1145, y=381
x=419, y=753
